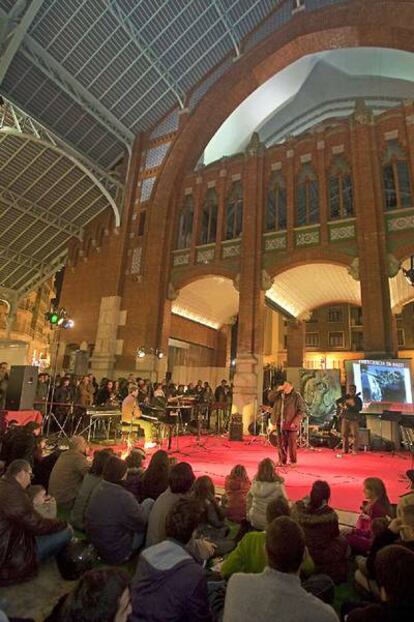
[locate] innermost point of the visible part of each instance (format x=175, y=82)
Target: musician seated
x=132, y=418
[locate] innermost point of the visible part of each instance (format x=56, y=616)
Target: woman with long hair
x=237, y=485
x=102, y=595
x=375, y=505
x=320, y=524
x=212, y=518
x=155, y=478
x=266, y=486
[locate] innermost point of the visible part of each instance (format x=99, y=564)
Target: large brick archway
x=382, y=23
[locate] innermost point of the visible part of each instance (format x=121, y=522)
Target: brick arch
x=379, y=23
x=199, y=273
x=309, y=256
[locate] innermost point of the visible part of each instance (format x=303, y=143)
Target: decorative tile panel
x=181, y=260
x=156, y=155
x=136, y=260
x=146, y=188
x=275, y=244
x=306, y=238
x=231, y=251
x=401, y=223
x=342, y=233
x=205, y=255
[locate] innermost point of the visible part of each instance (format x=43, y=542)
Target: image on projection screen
x=383, y=381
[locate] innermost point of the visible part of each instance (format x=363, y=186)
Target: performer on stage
x=350, y=406
x=288, y=410
x=131, y=418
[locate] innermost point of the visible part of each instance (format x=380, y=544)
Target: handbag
x=76, y=558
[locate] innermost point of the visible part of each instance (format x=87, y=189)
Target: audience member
x=212, y=522
x=266, y=486
x=169, y=584
x=320, y=524
x=236, y=487
x=115, y=522
x=42, y=393
x=394, y=568
x=63, y=398
x=133, y=481
x=376, y=505
x=86, y=392
x=155, y=478
x=68, y=473
x=398, y=531
x=20, y=443
x=26, y=538
x=42, y=502
x=181, y=479
x=250, y=554
x=277, y=589
x=408, y=497
x=88, y=485
x=101, y=595
x=4, y=380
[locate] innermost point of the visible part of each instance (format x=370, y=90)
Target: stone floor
x=35, y=599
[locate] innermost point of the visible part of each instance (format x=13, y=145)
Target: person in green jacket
x=250, y=555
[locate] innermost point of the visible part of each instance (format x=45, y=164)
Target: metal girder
x=48, y=271
x=145, y=50
x=17, y=36
x=24, y=206
x=53, y=70
x=227, y=24
x=13, y=121
x=9, y=254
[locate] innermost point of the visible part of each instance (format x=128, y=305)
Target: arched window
x=276, y=206
x=234, y=211
x=340, y=190
x=396, y=178
x=307, y=197
x=208, y=226
x=185, y=225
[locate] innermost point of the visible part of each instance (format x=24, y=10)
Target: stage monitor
x=383, y=381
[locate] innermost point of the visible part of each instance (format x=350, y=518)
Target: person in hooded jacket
x=320, y=523
x=267, y=485
x=169, y=585
x=237, y=485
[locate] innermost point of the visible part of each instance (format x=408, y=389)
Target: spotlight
x=141, y=352
x=409, y=274
x=160, y=354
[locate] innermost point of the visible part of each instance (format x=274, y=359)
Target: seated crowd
x=174, y=551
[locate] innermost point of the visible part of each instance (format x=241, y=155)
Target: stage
x=345, y=475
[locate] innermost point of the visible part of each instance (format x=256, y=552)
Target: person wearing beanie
x=115, y=522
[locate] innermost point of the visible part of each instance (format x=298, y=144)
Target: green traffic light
x=54, y=318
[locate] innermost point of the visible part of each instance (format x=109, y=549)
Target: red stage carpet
x=345, y=475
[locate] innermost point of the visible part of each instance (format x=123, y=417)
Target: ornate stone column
x=249, y=362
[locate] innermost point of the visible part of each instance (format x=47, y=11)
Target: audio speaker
x=236, y=428
x=81, y=363
x=21, y=388
x=364, y=439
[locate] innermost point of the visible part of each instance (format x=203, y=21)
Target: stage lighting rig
x=409, y=274
x=142, y=352
x=60, y=318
